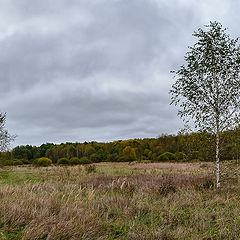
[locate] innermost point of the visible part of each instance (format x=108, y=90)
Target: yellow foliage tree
x=129, y=153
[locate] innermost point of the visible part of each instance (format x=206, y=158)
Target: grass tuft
x=69, y=203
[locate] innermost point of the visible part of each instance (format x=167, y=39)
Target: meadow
x=120, y=201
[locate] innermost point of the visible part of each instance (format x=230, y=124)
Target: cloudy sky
x=84, y=70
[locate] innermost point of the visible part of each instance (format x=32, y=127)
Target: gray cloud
x=96, y=70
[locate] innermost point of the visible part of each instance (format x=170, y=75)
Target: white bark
x=217, y=132
x=217, y=145
x=217, y=160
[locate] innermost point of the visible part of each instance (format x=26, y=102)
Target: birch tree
x=207, y=88
x=5, y=137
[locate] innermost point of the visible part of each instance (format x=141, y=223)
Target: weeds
x=72, y=203
x=90, y=169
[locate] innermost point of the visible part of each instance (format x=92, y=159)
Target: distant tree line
x=185, y=146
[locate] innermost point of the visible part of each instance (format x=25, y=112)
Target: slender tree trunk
x=218, y=173
x=217, y=153
x=217, y=161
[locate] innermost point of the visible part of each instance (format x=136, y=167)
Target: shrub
x=180, y=156
x=43, y=162
x=18, y=162
x=25, y=161
x=8, y=162
x=166, y=157
x=170, y=155
x=84, y=160
x=162, y=158
x=63, y=161
x=154, y=156
x=205, y=185
x=74, y=161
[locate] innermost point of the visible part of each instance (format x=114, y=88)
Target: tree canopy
x=207, y=88
x=208, y=84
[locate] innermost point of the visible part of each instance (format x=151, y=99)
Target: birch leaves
x=207, y=88
x=208, y=85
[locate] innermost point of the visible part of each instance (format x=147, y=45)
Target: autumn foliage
x=184, y=147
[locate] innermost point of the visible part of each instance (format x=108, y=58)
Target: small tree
x=207, y=89
x=5, y=137
x=129, y=154
x=43, y=162
x=63, y=161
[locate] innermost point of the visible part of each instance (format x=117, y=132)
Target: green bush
x=63, y=161
x=74, y=161
x=18, y=162
x=85, y=160
x=154, y=156
x=162, y=158
x=166, y=157
x=43, y=162
x=180, y=156
x=25, y=161
x=170, y=155
x=8, y=162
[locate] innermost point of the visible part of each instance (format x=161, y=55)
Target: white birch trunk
x=218, y=173
x=217, y=160
x=217, y=148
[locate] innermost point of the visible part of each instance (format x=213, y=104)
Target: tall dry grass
x=69, y=203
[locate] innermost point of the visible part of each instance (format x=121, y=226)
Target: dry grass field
x=120, y=201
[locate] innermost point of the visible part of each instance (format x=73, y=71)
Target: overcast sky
x=97, y=70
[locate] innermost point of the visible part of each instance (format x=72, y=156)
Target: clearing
x=119, y=201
